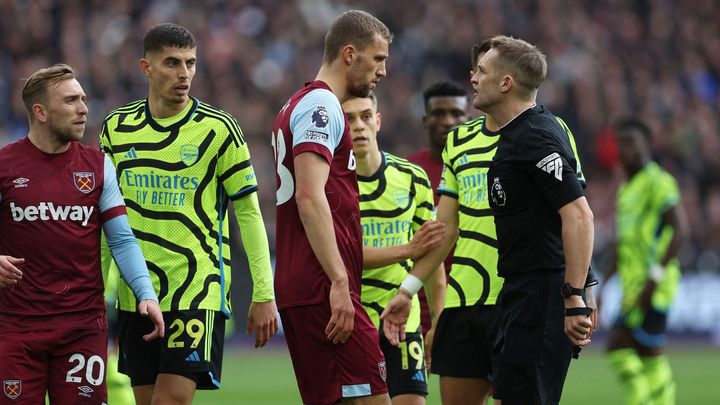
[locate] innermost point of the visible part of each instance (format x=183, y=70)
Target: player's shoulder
x=133, y=107
x=316, y=100
x=221, y=121
x=405, y=165
x=213, y=114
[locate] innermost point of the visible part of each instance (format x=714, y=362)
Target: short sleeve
x=424, y=201
x=448, y=182
x=317, y=124
x=550, y=169
x=111, y=202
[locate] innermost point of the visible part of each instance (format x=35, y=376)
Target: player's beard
x=357, y=85
x=358, y=90
x=65, y=134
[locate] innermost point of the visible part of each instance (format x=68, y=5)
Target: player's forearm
x=425, y=266
x=435, y=291
x=380, y=257
x=577, y=237
x=317, y=221
x=255, y=243
x=129, y=257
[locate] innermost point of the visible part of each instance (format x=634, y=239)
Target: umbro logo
x=131, y=154
x=20, y=182
x=552, y=164
x=85, y=391
x=194, y=356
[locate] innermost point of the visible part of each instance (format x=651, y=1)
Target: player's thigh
x=192, y=347
x=327, y=372
x=406, y=371
x=23, y=367
x=78, y=367
x=464, y=340
x=173, y=389
x=464, y=391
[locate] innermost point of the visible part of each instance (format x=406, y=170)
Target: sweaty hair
x=632, y=122
x=354, y=27
x=525, y=62
x=167, y=35
x=477, y=49
x=35, y=89
x=443, y=88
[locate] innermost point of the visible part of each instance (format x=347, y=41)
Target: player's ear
x=378, y=120
x=144, y=66
x=348, y=54
x=39, y=112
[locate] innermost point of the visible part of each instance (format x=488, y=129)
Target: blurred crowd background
x=607, y=58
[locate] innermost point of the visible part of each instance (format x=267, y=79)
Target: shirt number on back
x=286, y=186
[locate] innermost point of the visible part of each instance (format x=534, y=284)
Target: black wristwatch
x=567, y=290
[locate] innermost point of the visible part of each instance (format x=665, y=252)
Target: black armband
x=587, y=311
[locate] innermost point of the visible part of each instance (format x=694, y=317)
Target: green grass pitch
x=265, y=377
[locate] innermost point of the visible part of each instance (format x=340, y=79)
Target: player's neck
x=160, y=109
x=435, y=152
x=335, y=79
x=47, y=143
x=368, y=164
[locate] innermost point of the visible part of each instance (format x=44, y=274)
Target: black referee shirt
x=532, y=176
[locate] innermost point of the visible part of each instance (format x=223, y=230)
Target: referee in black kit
x=544, y=228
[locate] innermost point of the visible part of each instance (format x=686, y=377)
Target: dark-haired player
x=180, y=164
x=332, y=342
x=396, y=206
x=55, y=196
x=651, y=227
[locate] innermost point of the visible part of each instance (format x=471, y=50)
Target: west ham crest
x=383, y=370
x=84, y=181
x=12, y=388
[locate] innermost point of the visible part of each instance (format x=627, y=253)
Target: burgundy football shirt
x=312, y=121
x=50, y=215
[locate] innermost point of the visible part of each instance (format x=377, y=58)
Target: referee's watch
x=567, y=290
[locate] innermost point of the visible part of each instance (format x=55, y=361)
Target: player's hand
x=395, y=317
x=429, y=337
x=10, y=273
x=151, y=309
x=342, y=318
x=591, y=303
x=428, y=237
x=577, y=328
x=262, y=320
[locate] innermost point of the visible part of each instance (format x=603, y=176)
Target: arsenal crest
x=383, y=370
x=84, y=181
x=189, y=154
x=12, y=388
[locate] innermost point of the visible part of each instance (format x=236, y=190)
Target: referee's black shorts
x=532, y=353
